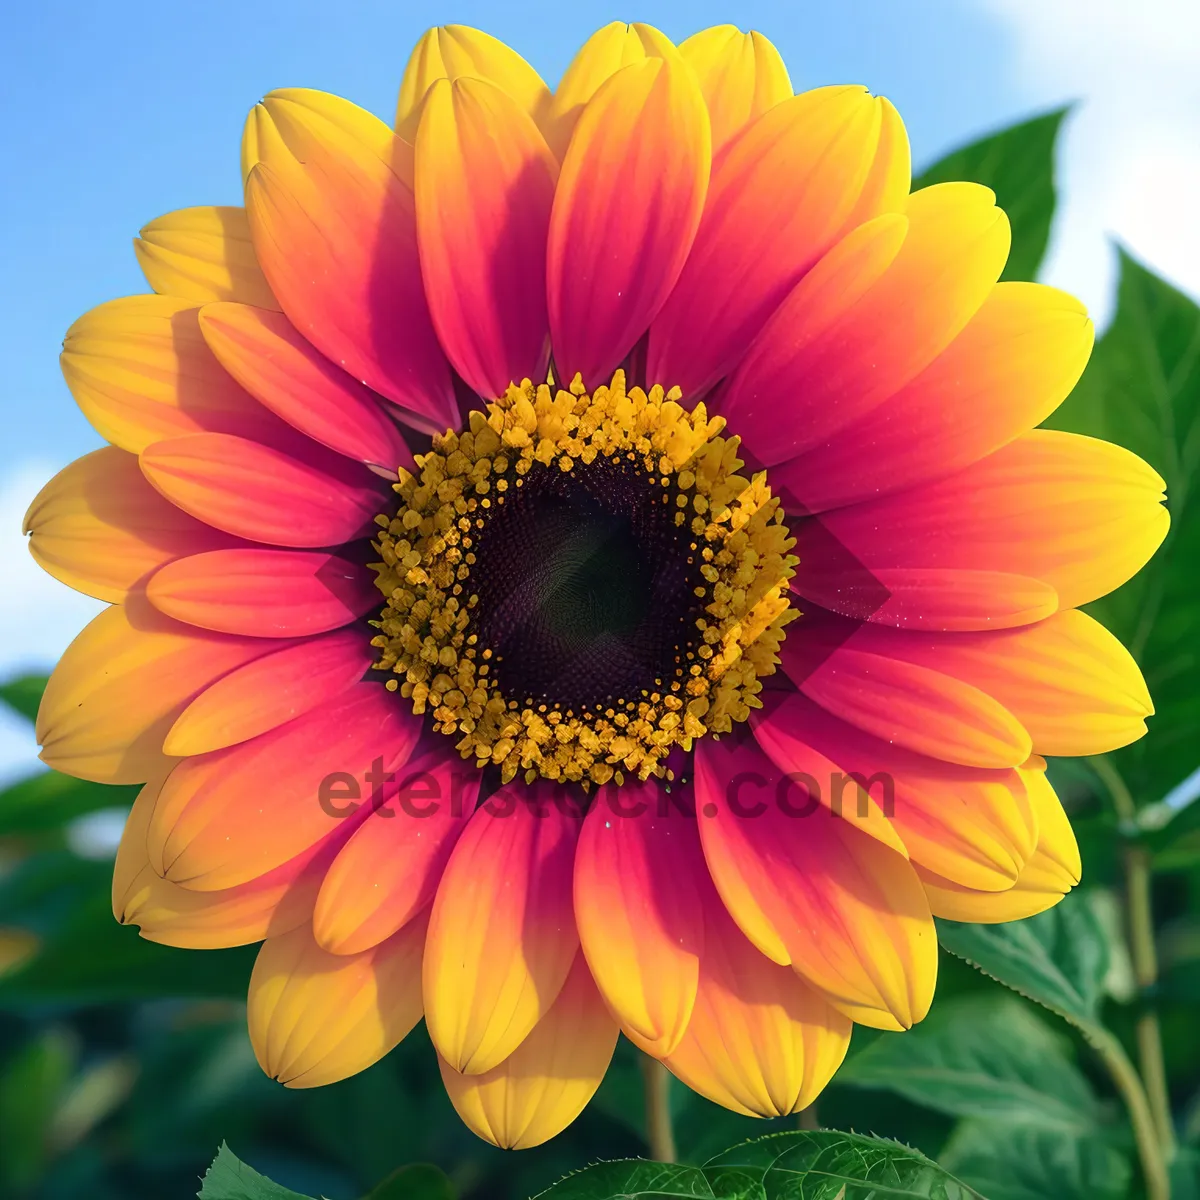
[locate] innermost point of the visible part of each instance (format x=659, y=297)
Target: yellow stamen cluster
x=427, y=629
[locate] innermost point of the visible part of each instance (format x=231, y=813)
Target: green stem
x=1145, y=1131
x=1144, y=954
x=1145, y=969
x=656, y=1083
x=807, y=1118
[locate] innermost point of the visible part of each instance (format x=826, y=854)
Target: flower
x=643, y=448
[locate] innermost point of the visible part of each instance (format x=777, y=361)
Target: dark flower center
x=587, y=587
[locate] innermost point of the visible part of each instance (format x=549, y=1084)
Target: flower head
x=585, y=561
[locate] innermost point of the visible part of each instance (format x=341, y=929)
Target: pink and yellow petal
x=502, y=933
x=120, y=686
x=99, y=527
x=270, y=691
x=780, y=197
x=390, y=869
x=1011, y=366
x=835, y=357
x=544, y=1084
x=140, y=372
x=264, y=593
x=454, y=52
x=164, y=912
x=975, y=826
x=741, y=76
x=761, y=1041
x=266, y=354
x=915, y=704
x=808, y=889
x=610, y=48
x=332, y=217
x=316, y=1017
x=637, y=907
x=203, y=254
x=611, y=263
x=947, y=599
x=1066, y=679
x=1051, y=512
x=232, y=815
x=253, y=490
x=483, y=250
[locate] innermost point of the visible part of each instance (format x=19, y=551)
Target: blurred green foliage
x=124, y=1064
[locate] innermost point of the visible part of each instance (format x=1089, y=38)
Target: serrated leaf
x=1058, y=958
x=231, y=1179
x=1142, y=390
x=1018, y=165
x=420, y=1181
x=1011, y=1162
x=23, y=694
x=632, y=1179
x=990, y=1057
x=820, y=1165
x=827, y=1165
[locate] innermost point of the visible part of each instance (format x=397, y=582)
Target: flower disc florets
x=577, y=582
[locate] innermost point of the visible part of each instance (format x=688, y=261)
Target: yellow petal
x=132, y=858
x=453, y=51
x=890, y=178
x=203, y=254
x=761, y=1041
x=317, y=1017
x=99, y=527
x=140, y=371
x=1052, y=871
x=741, y=75
x=307, y=118
x=544, y=1084
x=609, y=49
x=121, y=685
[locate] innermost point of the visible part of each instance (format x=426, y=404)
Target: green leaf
x=24, y=694
x=420, y=1181
x=631, y=1179
x=48, y=800
x=1023, y=1162
x=822, y=1165
x=230, y=1179
x=1058, y=958
x=990, y=1057
x=1018, y=165
x=828, y=1165
x=1142, y=390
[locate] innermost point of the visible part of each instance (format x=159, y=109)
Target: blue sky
x=116, y=113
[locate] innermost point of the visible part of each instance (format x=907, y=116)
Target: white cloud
x=38, y=615
x=1130, y=167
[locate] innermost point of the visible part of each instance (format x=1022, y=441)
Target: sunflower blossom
x=585, y=562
